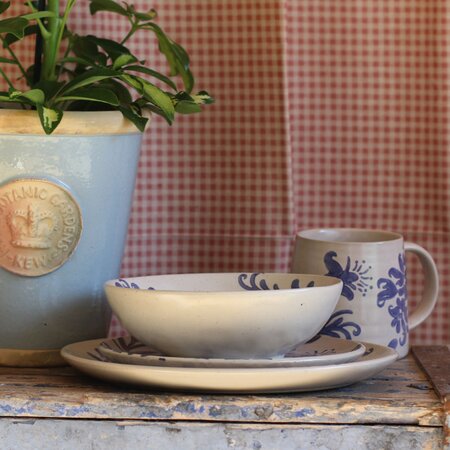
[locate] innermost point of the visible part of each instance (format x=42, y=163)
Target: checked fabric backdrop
x=327, y=114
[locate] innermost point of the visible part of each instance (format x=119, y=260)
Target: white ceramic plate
x=323, y=350
x=84, y=357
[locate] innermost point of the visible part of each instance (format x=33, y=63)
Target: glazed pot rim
x=73, y=123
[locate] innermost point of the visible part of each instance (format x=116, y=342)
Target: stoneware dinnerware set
x=339, y=318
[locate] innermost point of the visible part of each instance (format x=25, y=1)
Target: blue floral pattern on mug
x=336, y=327
x=261, y=285
x=354, y=278
x=394, y=288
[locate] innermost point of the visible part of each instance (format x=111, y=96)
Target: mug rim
x=319, y=235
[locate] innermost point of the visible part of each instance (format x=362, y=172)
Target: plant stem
x=66, y=53
x=51, y=46
x=53, y=43
x=69, y=6
x=133, y=30
x=14, y=57
x=3, y=74
x=38, y=48
x=41, y=26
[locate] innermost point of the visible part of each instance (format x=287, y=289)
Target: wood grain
x=435, y=362
x=400, y=394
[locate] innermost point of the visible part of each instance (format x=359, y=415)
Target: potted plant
x=69, y=149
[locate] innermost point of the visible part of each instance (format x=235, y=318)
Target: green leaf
x=123, y=60
x=153, y=73
x=187, y=107
x=50, y=88
x=165, y=47
x=154, y=95
x=106, y=5
x=133, y=82
x=11, y=39
x=4, y=6
x=159, y=98
x=7, y=61
x=89, y=77
x=122, y=92
x=188, y=79
x=203, y=98
x=144, y=16
x=181, y=54
x=112, y=48
x=154, y=109
x=183, y=62
x=76, y=60
x=6, y=99
x=85, y=49
x=102, y=60
x=176, y=56
x=187, y=103
x=49, y=117
x=93, y=94
x=16, y=26
x=150, y=15
x=36, y=96
x=137, y=119
x=38, y=15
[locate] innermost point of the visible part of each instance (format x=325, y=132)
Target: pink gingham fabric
x=328, y=114
x=368, y=101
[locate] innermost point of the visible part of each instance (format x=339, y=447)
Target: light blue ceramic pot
x=52, y=293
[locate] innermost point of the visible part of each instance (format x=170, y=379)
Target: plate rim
x=339, y=358
x=389, y=355
x=230, y=380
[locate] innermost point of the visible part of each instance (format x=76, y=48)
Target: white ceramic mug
x=373, y=306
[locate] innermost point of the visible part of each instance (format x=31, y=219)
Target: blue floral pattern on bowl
x=394, y=288
x=337, y=327
x=261, y=285
x=127, y=285
x=354, y=278
x=252, y=284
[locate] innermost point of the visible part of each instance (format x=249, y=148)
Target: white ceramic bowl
x=228, y=315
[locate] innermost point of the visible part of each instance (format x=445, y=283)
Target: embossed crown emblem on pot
x=40, y=226
x=32, y=228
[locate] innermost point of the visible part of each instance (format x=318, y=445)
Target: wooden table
x=62, y=409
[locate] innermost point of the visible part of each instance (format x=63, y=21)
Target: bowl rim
x=111, y=284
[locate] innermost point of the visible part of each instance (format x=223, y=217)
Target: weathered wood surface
x=435, y=362
x=446, y=430
x=82, y=434
x=400, y=394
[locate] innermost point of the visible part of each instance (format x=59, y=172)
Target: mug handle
x=430, y=294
